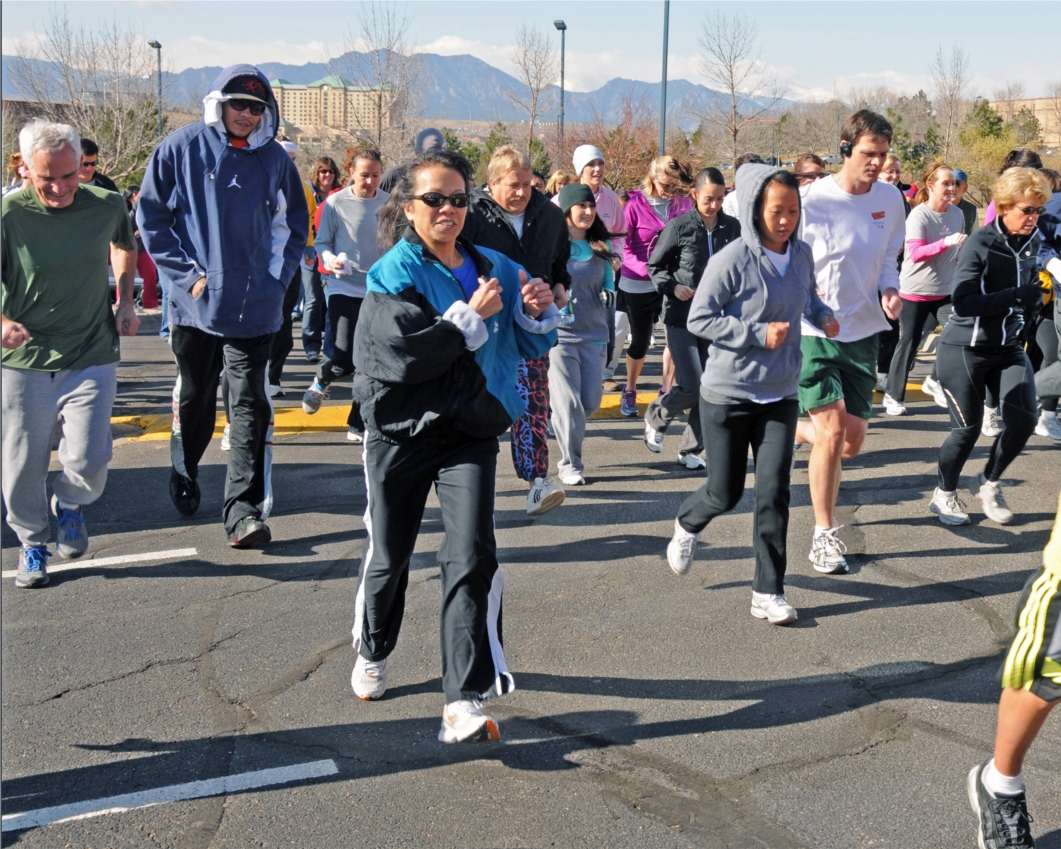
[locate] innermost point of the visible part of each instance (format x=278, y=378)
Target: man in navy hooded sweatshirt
x=223, y=215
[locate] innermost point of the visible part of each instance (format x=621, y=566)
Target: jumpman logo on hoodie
x=234, y=183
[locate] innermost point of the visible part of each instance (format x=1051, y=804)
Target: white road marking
x=174, y=793
x=67, y=565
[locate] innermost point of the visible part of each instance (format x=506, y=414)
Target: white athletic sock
x=998, y=784
x=64, y=506
x=819, y=530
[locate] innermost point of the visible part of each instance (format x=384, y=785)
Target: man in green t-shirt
x=60, y=341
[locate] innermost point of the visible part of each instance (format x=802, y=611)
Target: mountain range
x=459, y=88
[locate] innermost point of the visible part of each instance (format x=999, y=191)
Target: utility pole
x=158, y=50
x=663, y=87
x=560, y=25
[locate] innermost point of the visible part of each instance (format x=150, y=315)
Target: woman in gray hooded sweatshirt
x=748, y=304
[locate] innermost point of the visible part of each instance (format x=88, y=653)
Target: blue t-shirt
x=466, y=274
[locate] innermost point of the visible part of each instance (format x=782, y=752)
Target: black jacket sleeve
x=402, y=339
x=664, y=260
x=987, y=288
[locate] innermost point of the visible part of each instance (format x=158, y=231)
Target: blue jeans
x=163, y=331
x=313, y=310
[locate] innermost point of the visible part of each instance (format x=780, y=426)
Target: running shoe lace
x=36, y=558
x=687, y=542
x=954, y=503
x=70, y=522
x=831, y=542
x=373, y=668
x=998, y=499
x=1012, y=820
x=323, y=393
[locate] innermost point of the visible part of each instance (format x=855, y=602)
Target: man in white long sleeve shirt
x=855, y=226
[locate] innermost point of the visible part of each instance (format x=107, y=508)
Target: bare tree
x=629, y=140
x=1004, y=99
x=950, y=82
x=731, y=60
x=537, y=67
x=103, y=82
x=379, y=60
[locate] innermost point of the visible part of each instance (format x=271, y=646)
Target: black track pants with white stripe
x=399, y=477
x=964, y=373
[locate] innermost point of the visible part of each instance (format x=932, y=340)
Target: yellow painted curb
x=331, y=418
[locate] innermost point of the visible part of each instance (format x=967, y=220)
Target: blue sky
x=816, y=48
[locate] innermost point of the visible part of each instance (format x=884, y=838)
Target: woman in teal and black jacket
x=441, y=331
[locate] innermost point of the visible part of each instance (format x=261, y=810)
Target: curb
x=331, y=418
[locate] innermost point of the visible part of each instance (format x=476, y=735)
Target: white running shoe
x=314, y=397
x=681, y=550
x=276, y=390
x=882, y=380
x=775, y=609
x=992, y=425
x=995, y=507
x=949, y=507
x=932, y=387
x=354, y=435
x=465, y=722
x=827, y=552
x=369, y=678
x=226, y=438
x=572, y=479
x=893, y=407
x=544, y=495
x=1048, y=425
x=653, y=438
x=693, y=462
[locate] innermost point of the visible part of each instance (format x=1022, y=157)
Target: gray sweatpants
x=576, y=370
x=689, y=353
x=32, y=401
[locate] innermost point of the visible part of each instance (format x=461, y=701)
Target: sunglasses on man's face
x=87, y=164
x=436, y=200
x=254, y=106
x=810, y=175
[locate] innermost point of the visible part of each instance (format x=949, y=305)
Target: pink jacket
x=642, y=230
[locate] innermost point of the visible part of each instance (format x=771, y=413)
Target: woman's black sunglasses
x=435, y=200
x=255, y=107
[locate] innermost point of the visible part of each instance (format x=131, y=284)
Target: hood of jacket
x=750, y=190
x=267, y=128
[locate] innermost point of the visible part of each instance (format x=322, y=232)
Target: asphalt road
x=651, y=710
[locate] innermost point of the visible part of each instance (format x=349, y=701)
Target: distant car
x=789, y=164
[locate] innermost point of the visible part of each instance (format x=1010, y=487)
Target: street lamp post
x=158, y=49
x=663, y=87
x=560, y=25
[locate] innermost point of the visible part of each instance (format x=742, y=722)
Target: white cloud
x=197, y=52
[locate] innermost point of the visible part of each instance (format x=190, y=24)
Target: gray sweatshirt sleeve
x=707, y=316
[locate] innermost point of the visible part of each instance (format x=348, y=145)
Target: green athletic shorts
x=1033, y=661
x=838, y=370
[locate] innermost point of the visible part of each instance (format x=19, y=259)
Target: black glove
x=607, y=297
x=1030, y=295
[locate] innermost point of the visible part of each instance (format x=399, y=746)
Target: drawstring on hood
x=267, y=128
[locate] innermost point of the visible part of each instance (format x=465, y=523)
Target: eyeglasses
x=253, y=105
x=326, y=171
x=1032, y=210
x=810, y=175
x=435, y=200
x=86, y=164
